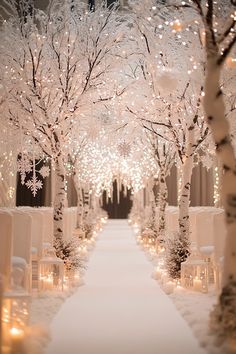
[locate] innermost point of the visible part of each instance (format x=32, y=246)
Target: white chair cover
x=47, y=225
x=205, y=226
x=6, y=240
x=219, y=230
x=22, y=241
x=37, y=231
x=22, y=235
x=66, y=224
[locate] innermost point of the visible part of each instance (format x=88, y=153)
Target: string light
x=216, y=195
x=180, y=176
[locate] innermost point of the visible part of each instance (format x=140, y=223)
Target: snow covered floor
x=120, y=309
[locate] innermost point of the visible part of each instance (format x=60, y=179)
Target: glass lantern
x=51, y=274
x=207, y=253
x=14, y=321
x=194, y=273
x=148, y=237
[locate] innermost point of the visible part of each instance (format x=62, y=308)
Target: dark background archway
x=114, y=209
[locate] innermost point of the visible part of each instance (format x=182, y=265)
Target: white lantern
x=15, y=317
x=194, y=273
x=51, y=273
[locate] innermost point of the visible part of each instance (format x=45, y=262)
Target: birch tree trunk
x=86, y=199
x=185, y=190
x=178, y=246
x=59, y=200
x=225, y=311
x=163, y=195
x=80, y=206
x=8, y=180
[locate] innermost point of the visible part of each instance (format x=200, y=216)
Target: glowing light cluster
x=216, y=195
x=101, y=163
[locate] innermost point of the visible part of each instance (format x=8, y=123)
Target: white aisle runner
x=120, y=309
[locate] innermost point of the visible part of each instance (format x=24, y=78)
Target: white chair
x=219, y=228
x=37, y=243
x=69, y=223
x=193, y=213
x=37, y=233
x=47, y=225
x=219, y=233
x=22, y=241
x=66, y=224
x=6, y=240
x=204, y=228
x=37, y=230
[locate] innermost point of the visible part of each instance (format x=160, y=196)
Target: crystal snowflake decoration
x=34, y=185
x=44, y=171
x=24, y=165
x=124, y=149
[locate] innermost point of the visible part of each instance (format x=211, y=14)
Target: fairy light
x=216, y=195
x=101, y=163
x=180, y=177
x=231, y=62
x=8, y=176
x=176, y=26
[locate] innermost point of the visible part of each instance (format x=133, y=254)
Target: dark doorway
x=24, y=196
x=114, y=209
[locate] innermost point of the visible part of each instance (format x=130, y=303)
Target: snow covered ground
x=43, y=308
x=120, y=309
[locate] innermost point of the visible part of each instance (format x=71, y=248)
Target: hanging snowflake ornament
x=44, y=171
x=24, y=165
x=34, y=184
x=124, y=149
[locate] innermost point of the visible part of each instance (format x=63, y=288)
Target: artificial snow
x=43, y=308
x=120, y=309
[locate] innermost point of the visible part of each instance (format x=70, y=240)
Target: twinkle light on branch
x=231, y=62
x=176, y=26
x=216, y=195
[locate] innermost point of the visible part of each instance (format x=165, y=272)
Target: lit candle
x=152, y=251
x=169, y=287
x=197, y=284
x=6, y=349
x=17, y=341
x=176, y=26
x=164, y=277
x=47, y=282
x=83, y=251
x=158, y=273
x=178, y=288
x=231, y=62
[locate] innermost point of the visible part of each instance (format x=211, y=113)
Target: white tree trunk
x=86, y=200
x=80, y=206
x=185, y=198
x=59, y=199
x=215, y=114
x=187, y=169
x=163, y=195
x=8, y=174
x=223, y=316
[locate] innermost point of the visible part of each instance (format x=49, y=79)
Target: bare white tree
x=164, y=155
x=219, y=43
x=53, y=64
